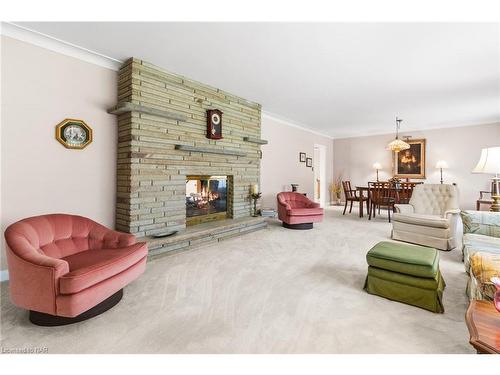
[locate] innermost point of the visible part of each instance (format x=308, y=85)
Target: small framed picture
x=309, y=162
x=74, y=134
x=302, y=157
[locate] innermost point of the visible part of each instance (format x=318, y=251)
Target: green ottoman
x=406, y=273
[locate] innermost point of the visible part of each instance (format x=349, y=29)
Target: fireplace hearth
x=206, y=199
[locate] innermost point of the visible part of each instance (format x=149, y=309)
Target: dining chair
x=404, y=192
x=381, y=194
x=351, y=195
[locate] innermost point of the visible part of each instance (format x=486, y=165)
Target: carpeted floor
x=272, y=291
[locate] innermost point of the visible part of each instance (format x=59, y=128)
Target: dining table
x=362, y=189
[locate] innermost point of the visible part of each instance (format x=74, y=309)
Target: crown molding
x=417, y=130
x=293, y=124
x=48, y=42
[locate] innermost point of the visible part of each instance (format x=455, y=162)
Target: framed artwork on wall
x=309, y=162
x=410, y=163
x=302, y=157
x=74, y=134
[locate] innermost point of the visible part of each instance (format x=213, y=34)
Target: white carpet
x=271, y=291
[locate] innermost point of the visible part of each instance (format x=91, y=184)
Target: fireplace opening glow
x=206, y=198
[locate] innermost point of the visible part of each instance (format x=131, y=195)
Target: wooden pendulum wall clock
x=214, y=124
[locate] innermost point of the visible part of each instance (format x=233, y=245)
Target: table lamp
x=489, y=163
x=441, y=164
x=377, y=167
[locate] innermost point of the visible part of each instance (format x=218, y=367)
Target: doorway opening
x=319, y=166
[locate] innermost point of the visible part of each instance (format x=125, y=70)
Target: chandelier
x=397, y=144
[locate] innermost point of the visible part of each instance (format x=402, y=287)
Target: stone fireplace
x=170, y=176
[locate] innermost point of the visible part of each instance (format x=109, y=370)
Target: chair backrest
x=434, y=199
x=294, y=200
x=380, y=191
x=405, y=191
x=346, y=185
x=490, y=193
x=55, y=235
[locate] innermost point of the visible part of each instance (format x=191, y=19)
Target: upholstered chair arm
x=119, y=239
x=26, y=252
x=448, y=213
x=404, y=208
x=33, y=276
x=314, y=205
x=52, y=265
x=101, y=237
x=456, y=225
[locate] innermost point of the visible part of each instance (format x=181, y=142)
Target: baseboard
x=4, y=275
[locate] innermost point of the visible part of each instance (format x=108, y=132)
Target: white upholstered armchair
x=430, y=218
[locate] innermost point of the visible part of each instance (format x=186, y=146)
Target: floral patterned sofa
x=481, y=251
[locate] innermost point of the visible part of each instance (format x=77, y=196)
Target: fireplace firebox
x=206, y=199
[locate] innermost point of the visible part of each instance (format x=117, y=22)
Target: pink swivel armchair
x=296, y=211
x=66, y=268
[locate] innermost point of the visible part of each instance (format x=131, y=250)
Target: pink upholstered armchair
x=67, y=268
x=296, y=211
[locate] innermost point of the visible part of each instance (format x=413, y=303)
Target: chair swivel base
x=48, y=320
x=300, y=226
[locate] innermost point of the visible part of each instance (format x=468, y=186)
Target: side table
x=483, y=322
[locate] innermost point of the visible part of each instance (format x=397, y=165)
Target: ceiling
x=340, y=79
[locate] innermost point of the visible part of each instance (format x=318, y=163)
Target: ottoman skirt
x=426, y=293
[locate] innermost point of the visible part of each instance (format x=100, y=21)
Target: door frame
x=321, y=173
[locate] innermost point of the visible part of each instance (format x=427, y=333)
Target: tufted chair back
x=294, y=200
x=434, y=199
x=57, y=236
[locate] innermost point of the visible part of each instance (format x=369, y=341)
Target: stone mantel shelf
x=132, y=107
x=255, y=140
x=209, y=150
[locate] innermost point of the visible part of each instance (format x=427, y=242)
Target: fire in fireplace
x=206, y=199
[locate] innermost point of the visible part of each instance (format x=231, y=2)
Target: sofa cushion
x=483, y=267
x=472, y=243
x=481, y=243
x=90, y=267
x=305, y=211
x=424, y=220
x=403, y=258
x=481, y=222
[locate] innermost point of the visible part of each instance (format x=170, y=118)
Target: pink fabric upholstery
x=55, y=256
x=295, y=208
x=93, y=266
x=74, y=304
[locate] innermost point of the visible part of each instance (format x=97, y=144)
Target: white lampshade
x=489, y=162
x=441, y=164
x=377, y=166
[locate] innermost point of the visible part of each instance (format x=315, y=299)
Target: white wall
x=280, y=164
x=460, y=147
x=40, y=88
